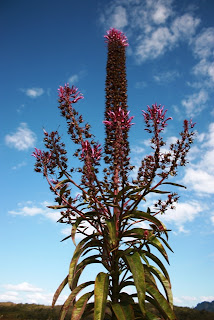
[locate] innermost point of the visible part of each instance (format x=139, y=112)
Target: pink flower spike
x=114, y=35
x=37, y=153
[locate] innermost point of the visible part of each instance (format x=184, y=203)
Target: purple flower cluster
x=113, y=35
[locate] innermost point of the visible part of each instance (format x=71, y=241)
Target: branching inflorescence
x=111, y=205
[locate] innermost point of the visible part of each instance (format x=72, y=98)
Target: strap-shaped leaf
x=80, y=305
x=137, y=270
x=174, y=184
x=166, y=243
x=83, y=245
x=157, y=244
x=151, y=316
x=112, y=231
x=165, y=283
x=143, y=215
x=59, y=290
x=138, y=233
x=81, y=266
x=160, y=302
x=100, y=295
x=157, y=261
x=71, y=298
x=123, y=312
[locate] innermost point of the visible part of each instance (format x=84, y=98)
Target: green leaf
x=159, y=191
x=151, y=316
x=81, y=266
x=74, y=228
x=160, y=302
x=123, y=312
x=165, y=283
x=100, y=295
x=166, y=244
x=145, y=216
x=157, y=261
x=137, y=233
x=59, y=290
x=63, y=190
x=137, y=270
x=112, y=231
x=157, y=244
x=174, y=184
x=77, y=253
x=60, y=183
x=69, y=301
x=80, y=305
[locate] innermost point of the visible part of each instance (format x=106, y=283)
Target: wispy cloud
x=183, y=213
x=200, y=176
x=74, y=78
x=33, y=92
x=24, y=286
x=27, y=293
x=19, y=165
x=22, y=139
x=195, y=102
x=149, y=25
x=29, y=209
x=166, y=77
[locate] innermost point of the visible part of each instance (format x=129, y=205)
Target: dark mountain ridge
x=205, y=305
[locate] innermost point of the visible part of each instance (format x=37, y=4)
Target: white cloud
x=195, y=102
x=205, y=68
x=73, y=79
x=30, y=210
x=22, y=139
x=155, y=44
x=200, y=176
x=166, y=77
x=67, y=231
x=148, y=25
x=19, y=165
x=161, y=13
x=33, y=92
x=27, y=293
x=119, y=17
x=184, y=26
x=137, y=149
x=204, y=44
x=207, y=298
x=24, y=286
x=184, y=212
x=191, y=301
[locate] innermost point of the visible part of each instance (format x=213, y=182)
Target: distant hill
x=205, y=305
x=12, y=311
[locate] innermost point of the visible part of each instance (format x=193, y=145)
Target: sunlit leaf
x=137, y=270
x=100, y=295
x=174, y=184
x=79, y=307
x=165, y=283
x=123, y=312
x=112, y=231
x=157, y=244
x=71, y=298
x=59, y=290
x=160, y=302
x=157, y=261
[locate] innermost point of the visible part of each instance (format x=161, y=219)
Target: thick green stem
x=115, y=280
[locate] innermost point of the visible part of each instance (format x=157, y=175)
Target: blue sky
x=45, y=44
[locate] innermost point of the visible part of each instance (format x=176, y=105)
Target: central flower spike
x=114, y=35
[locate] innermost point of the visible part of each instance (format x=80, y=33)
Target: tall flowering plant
x=107, y=212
